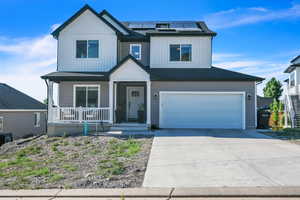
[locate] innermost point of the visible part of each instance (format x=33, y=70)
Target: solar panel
x=141, y=25
x=172, y=24
x=183, y=25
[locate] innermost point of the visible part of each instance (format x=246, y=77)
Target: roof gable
x=11, y=98
x=56, y=32
x=296, y=60
x=129, y=69
x=129, y=57
x=113, y=21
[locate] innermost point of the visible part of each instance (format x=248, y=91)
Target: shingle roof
x=160, y=74
x=11, y=98
x=291, y=68
x=76, y=76
x=199, y=74
x=180, y=28
x=176, y=28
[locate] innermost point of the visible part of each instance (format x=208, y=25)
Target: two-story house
x=292, y=92
x=151, y=73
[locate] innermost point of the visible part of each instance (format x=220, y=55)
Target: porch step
x=129, y=127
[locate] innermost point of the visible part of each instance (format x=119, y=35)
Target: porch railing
x=80, y=114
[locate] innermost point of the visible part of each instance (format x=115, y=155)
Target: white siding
x=87, y=27
x=129, y=71
x=201, y=52
x=297, y=76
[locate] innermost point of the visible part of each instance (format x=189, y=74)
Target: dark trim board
x=295, y=59
x=105, y=12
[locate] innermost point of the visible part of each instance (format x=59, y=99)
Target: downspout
x=47, y=105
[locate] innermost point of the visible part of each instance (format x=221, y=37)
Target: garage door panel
x=185, y=110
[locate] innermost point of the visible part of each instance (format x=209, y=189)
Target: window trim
x=180, y=61
x=86, y=85
x=87, y=49
x=293, y=74
x=38, y=117
x=2, y=119
x=140, y=51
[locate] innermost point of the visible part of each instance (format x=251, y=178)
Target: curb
x=167, y=193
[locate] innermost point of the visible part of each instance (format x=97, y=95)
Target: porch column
x=148, y=103
x=285, y=112
x=111, y=101
x=50, y=101
x=115, y=102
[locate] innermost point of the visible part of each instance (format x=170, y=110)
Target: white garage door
x=201, y=110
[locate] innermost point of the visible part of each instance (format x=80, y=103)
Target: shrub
x=277, y=116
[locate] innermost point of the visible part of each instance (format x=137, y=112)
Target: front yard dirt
x=74, y=162
x=289, y=134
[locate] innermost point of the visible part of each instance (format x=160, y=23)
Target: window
x=87, y=96
x=181, y=52
x=1, y=124
x=292, y=79
x=87, y=49
x=135, y=93
x=37, y=119
x=135, y=51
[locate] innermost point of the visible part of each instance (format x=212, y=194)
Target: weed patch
x=69, y=167
x=108, y=168
x=126, y=148
x=55, y=178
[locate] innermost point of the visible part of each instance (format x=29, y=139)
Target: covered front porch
x=128, y=103
x=121, y=96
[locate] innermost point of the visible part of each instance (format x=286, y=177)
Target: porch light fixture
x=249, y=97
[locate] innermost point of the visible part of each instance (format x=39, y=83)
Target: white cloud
x=221, y=56
x=30, y=48
x=242, y=16
x=262, y=68
x=261, y=9
x=239, y=64
x=24, y=60
x=54, y=26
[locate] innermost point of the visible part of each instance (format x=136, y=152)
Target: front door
x=135, y=102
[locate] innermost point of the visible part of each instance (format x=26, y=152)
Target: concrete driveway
x=216, y=158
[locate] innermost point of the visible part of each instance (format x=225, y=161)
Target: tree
x=273, y=89
x=45, y=101
x=275, y=113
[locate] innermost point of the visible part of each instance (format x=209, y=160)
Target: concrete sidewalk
x=156, y=193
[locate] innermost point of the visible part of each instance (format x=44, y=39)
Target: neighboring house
x=157, y=73
x=264, y=102
x=20, y=114
x=292, y=91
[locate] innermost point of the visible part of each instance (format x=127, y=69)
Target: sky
x=257, y=37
